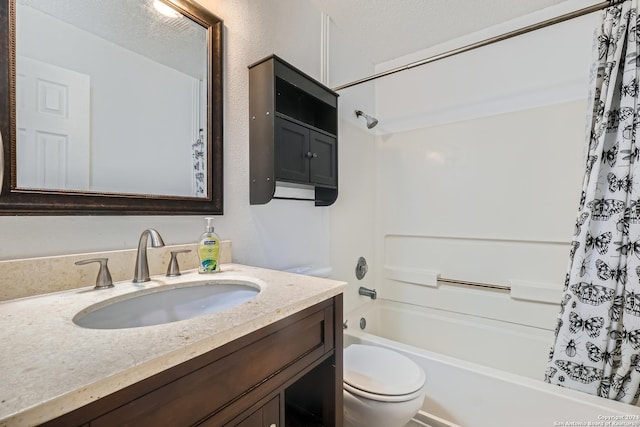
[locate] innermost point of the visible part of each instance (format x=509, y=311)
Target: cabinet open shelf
x=297, y=104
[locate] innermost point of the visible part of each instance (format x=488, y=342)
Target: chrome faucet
x=142, y=265
x=368, y=292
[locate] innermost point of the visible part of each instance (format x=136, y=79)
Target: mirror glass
x=111, y=97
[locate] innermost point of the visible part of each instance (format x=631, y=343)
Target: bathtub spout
x=368, y=292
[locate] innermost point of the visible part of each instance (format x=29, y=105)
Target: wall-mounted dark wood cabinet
x=293, y=132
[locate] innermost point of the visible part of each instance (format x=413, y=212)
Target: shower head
x=371, y=121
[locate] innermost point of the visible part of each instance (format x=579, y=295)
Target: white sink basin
x=160, y=305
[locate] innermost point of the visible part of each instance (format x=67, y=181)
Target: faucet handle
x=174, y=268
x=361, y=268
x=103, y=281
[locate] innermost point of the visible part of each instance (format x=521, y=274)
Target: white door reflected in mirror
x=53, y=113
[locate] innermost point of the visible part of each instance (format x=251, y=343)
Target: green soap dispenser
x=209, y=250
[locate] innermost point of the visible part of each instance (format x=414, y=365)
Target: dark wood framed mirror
x=127, y=150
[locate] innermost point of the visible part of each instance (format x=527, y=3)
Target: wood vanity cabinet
x=288, y=373
x=293, y=132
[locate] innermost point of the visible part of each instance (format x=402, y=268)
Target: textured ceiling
x=387, y=29
x=135, y=25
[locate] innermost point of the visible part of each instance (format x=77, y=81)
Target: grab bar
x=542, y=292
x=475, y=284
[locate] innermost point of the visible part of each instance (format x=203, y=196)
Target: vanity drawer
x=216, y=385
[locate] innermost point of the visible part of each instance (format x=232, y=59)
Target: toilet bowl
x=382, y=388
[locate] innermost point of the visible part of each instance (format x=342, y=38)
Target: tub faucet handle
x=174, y=268
x=103, y=281
x=361, y=268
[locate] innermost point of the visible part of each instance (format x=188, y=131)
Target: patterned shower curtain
x=597, y=344
x=198, y=155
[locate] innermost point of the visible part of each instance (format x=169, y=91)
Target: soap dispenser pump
x=209, y=249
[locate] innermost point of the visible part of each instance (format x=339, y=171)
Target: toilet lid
x=377, y=370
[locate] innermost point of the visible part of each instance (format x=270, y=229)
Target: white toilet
x=382, y=388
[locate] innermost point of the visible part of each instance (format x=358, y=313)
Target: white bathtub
x=466, y=384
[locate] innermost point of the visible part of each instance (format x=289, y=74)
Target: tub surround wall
x=489, y=164
x=541, y=68
x=486, y=227
x=34, y=276
x=463, y=336
x=353, y=215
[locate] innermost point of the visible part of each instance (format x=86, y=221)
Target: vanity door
x=268, y=415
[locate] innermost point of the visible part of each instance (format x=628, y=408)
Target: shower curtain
x=597, y=341
x=199, y=166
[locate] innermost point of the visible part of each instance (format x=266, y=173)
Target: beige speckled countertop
x=50, y=366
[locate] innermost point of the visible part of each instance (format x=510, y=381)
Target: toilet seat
x=381, y=397
x=380, y=374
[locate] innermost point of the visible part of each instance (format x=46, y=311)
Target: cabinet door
x=323, y=162
x=266, y=416
x=271, y=413
x=291, y=151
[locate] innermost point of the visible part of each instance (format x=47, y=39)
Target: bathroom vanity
x=273, y=358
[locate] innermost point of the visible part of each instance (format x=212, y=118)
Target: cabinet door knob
x=315, y=155
x=309, y=154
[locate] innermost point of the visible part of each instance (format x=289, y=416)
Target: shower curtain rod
x=501, y=37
